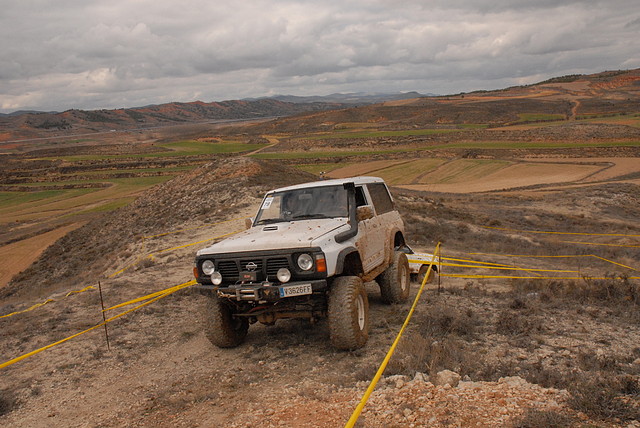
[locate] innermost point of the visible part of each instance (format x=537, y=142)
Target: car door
x=372, y=241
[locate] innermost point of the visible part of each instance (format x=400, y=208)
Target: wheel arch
x=349, y=262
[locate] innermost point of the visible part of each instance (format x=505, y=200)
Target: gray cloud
x=90, y=54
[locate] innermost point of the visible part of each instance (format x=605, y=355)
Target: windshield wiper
x=295, y=217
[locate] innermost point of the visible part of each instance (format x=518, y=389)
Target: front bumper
x=263, y=291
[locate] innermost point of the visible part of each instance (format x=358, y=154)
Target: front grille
x=267, y=265
x=274, y=264
x=228, y=269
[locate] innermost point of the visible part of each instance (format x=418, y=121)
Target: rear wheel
x=348, y=313
x=395, y=281
x=221, y=328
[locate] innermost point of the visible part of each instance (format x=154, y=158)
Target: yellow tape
x=504, y=267
x=196, y=243
x=557, y=233
x=87, y=288
x=564, y=256
x=37, y=305
x=604, y=245
x=152, y=295
x=44, y=348
x=453, y=275
x=358, y=410
x=193, y=228
x=151, y=255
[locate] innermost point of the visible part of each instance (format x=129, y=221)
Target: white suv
x=307, y=254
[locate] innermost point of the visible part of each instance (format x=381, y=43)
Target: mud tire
x=348, y=313
x=395, y=282
x=221, y=328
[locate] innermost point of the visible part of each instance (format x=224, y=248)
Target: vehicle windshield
x=302, y=204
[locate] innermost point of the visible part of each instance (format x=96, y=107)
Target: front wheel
x=221, y=328
x=395, y=281
x=348, y=313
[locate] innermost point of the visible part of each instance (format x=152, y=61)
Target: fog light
x=283, y=275
x=216, y=278
x=208, y=267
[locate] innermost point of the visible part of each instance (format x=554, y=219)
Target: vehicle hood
x=294, y=234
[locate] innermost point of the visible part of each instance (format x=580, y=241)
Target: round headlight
x=283, y=275
x=208, y=267
x=305, y=262
x=216, y=278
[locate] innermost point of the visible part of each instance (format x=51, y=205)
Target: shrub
x=534, y=418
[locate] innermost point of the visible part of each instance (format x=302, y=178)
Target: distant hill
x=40, y=124
x=605, y=94
x=359, y=98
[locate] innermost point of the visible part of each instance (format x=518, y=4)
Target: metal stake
x=104, y=318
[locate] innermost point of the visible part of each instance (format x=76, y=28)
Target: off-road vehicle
x=307, y=254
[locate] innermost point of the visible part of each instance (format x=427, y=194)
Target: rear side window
x=381, y=198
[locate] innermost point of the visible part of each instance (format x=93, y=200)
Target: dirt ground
x=161, y=371
x=524, y=173
x=19, y=255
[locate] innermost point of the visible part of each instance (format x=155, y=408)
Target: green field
x=377, y=134
x=317, y=168
x=181, y=148
x=540, y=117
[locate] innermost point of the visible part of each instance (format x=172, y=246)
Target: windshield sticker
x=267, y=203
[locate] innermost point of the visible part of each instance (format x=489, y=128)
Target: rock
x=512, y=381
x=419, y=377
x=447, y=377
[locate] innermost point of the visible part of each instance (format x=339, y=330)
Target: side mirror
x=248, y=222
x=364, y=212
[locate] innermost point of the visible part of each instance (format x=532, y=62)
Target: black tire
x=395, y=283
x=422, y=272
x=221, y=328
x=348, y=313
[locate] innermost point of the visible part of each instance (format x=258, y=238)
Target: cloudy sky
x=88, y=54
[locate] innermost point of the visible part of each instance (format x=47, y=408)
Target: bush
x=534, y=418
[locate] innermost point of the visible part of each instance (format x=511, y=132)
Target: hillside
x=569, y=98
x=526, y=353
x=43, y=125
x=533, y=191
x=207, y=194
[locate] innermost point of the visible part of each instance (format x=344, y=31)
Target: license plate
x=295, y=290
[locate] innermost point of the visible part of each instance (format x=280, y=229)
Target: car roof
x=335, y=182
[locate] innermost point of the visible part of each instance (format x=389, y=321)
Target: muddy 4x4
x=307, y=254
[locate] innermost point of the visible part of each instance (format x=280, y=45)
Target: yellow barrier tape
x=152, y=295
x=563, y=256
x=108, y=320
x=196, y=243
x=558, y=233
x=453, y=275
x=358, y=410
x=193, y=228
x=603, y=245
x=505, y=267
x=151, y=255
x=37, y=305
x=87, y=288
